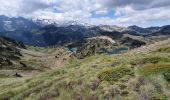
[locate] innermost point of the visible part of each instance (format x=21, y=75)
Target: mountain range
x=48, y=33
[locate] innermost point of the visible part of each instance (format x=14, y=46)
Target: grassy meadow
x=127, y=76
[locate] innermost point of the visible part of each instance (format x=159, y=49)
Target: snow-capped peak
x=61, y=22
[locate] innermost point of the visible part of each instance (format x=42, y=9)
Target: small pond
x=72, y=49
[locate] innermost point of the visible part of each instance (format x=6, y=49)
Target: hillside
x=9, y=52
x=91, y=46
x=127, y=76
x=17, y=60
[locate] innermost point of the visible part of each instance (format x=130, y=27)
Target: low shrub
x=114, y=74
x=167, y=75
x=158, y=96
x=149, y=69
x=166, y=50
x=124, y=93
x=152, y=60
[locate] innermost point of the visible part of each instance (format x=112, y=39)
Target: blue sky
x=113, y=12
x=110, y=14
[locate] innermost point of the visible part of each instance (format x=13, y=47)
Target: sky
x=112, y=12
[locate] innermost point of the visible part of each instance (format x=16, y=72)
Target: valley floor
x=140, y=74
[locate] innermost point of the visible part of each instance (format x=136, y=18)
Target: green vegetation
x=167, y=50
x=167, y=75
x=127, y=76
x=159, y=96
x=114, y=74
x=151, y=59
x=150, y=69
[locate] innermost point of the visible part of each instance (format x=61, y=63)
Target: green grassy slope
x=133, y=75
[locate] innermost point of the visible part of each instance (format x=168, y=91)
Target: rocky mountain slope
x=12, y=24
x=144, y=31
x=92, y=46
x=9, y=53
x=103, y=44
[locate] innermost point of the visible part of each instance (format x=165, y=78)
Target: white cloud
x=143, y=17
x=127, y=12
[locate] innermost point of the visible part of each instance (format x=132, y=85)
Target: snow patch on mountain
x=8, y=26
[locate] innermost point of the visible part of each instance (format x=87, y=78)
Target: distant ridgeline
x=40, y=34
